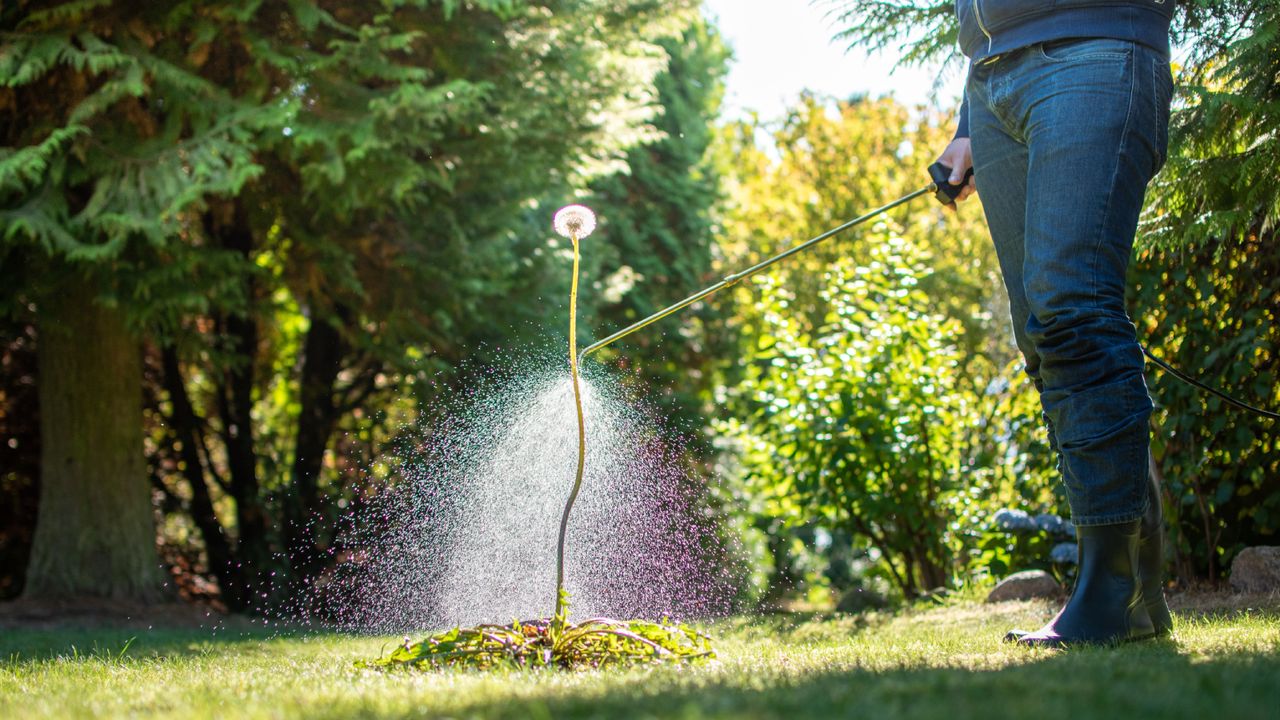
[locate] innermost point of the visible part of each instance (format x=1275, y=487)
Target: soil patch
x=1222, y=602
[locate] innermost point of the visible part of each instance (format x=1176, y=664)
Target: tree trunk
x=222, y=561
x=323, y=352
x=235, y=405
x=95, y=534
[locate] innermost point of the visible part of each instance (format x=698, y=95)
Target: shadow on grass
x=20, y=647
x=1152, y=680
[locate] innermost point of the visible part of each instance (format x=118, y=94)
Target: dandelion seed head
x=575, y=221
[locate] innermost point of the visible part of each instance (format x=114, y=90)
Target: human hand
x=959, y=158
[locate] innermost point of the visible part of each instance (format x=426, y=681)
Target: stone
x=1256, y=570
x=1026, y=585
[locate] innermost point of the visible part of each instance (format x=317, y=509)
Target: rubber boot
x=1150, y=565
x=1106, y=605
x=1151, y=561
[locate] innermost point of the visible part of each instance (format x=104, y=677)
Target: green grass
x=938, y=663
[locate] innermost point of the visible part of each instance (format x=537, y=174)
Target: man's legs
x=1064, y=143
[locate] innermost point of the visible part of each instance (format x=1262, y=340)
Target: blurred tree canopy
x=244, y=245
x=284, y=213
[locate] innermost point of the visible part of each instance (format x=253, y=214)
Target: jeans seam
x=1115, y=176
x=1139, y=490
x=1159, y=111
x=993, y=99
x=1079, y=58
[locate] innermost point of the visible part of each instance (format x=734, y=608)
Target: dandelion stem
x=582, y=432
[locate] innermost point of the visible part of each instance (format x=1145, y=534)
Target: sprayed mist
x=464, y=529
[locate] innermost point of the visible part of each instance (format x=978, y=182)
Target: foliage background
x=312, y=218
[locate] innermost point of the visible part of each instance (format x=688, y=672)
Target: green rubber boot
x=1106, y=605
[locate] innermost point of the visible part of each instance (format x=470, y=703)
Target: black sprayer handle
x=946, y=192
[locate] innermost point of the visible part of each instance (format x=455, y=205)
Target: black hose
x=1218, y=393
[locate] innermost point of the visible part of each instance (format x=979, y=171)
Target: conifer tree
x=660, y=228
x=186, y=173
x=109, y=143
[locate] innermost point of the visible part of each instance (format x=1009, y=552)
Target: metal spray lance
x=940, y=188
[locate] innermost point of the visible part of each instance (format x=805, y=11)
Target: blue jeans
x=1065, y=137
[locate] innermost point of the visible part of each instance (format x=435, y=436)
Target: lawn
x=942, y=662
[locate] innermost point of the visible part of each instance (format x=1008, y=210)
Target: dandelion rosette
x=591, y=644
x=574, y=221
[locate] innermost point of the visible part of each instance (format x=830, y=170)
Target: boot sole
x=1064, y=644
x=1014, y=636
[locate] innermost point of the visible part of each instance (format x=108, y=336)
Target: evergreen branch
x=29, y=57
x=61, y=15
x=130, y=83
x=41, y=219
x=922, y=32
x=24, y=167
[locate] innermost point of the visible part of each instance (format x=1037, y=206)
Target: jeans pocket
x=1079, y=50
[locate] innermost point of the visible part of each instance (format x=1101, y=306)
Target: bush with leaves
x=826, y=162
x=1211, y=310
x=1206, y=274
x=1205, y=285
x=868, y=424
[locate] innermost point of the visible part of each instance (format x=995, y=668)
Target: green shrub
x=876, y=423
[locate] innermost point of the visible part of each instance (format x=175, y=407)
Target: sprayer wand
x=941, y=189
x=945, y=193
